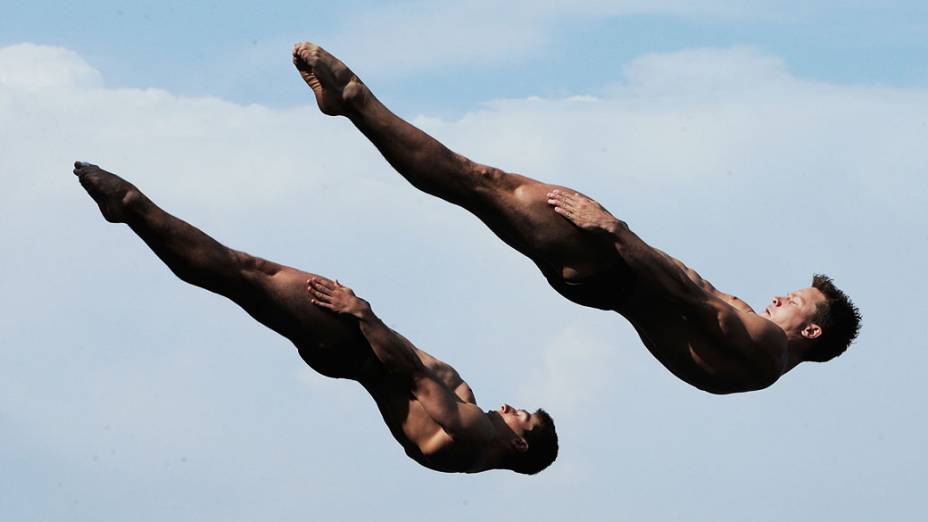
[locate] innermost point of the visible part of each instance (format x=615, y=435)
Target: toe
x=80, y=167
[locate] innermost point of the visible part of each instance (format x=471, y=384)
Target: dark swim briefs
x=606, y=290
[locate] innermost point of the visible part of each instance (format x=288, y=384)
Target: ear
x=811, y=331
x=519, y=444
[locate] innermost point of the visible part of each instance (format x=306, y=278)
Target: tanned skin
x=426, y=405
x=710, y=339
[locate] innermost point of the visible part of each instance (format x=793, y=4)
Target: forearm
x=400, y=358
x=665, y=273
x=395, y=352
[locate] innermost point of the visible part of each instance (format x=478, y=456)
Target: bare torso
x=698, y=346
x=421, y=437
x=698, y=356
x=695, y=345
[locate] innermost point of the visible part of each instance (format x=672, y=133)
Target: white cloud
x=29, y=66
x=737, y=71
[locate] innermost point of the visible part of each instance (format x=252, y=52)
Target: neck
x=794, y=351
x=499, y=449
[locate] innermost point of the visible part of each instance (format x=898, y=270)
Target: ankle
x=135, y=204
x=357, y=98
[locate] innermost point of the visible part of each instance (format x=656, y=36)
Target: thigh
x=275, y=295
x=515, y=208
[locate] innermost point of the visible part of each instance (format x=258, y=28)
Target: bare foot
x=112, y=193
x=582, y=211
x=338, y=90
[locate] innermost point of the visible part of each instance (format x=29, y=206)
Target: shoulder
x=464, y=392
x=742, y=325
x=734, y=301
x=445, y=373
x=757, y=342
x=762, y=343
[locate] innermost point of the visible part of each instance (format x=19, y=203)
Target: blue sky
x=757, y=143
x=526, y=48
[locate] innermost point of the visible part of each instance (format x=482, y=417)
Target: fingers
x=328, y=294
x=319, y=294
x=322, y=284
x=569, y=214
x=323, y=304
x=558, y=198
x=315, y=295
x=562, y=203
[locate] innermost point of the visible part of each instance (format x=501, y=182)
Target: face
x=519, y=421
x=794, y=311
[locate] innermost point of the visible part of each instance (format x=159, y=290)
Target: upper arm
x=707, y=288
x=757, y=342
x=464, y=392
x=448, y=375
x=692, y=275
x=429, y=383
x=675, y=281
x=460, y=419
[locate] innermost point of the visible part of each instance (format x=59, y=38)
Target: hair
x=542, y=447
x=838, y=318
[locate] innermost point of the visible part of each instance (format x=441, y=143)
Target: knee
x=487, y=178
x=253, y=267
x=487, y=175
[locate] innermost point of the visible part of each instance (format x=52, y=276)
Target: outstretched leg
x=513, y=206
x=273, y=294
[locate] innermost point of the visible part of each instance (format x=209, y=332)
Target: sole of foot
x=338, y=91
x=111, y=193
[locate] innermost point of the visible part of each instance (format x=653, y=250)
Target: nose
x=506, y=408
x=777, y=300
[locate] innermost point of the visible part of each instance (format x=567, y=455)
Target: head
x=533, y=440
x=821, y=317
